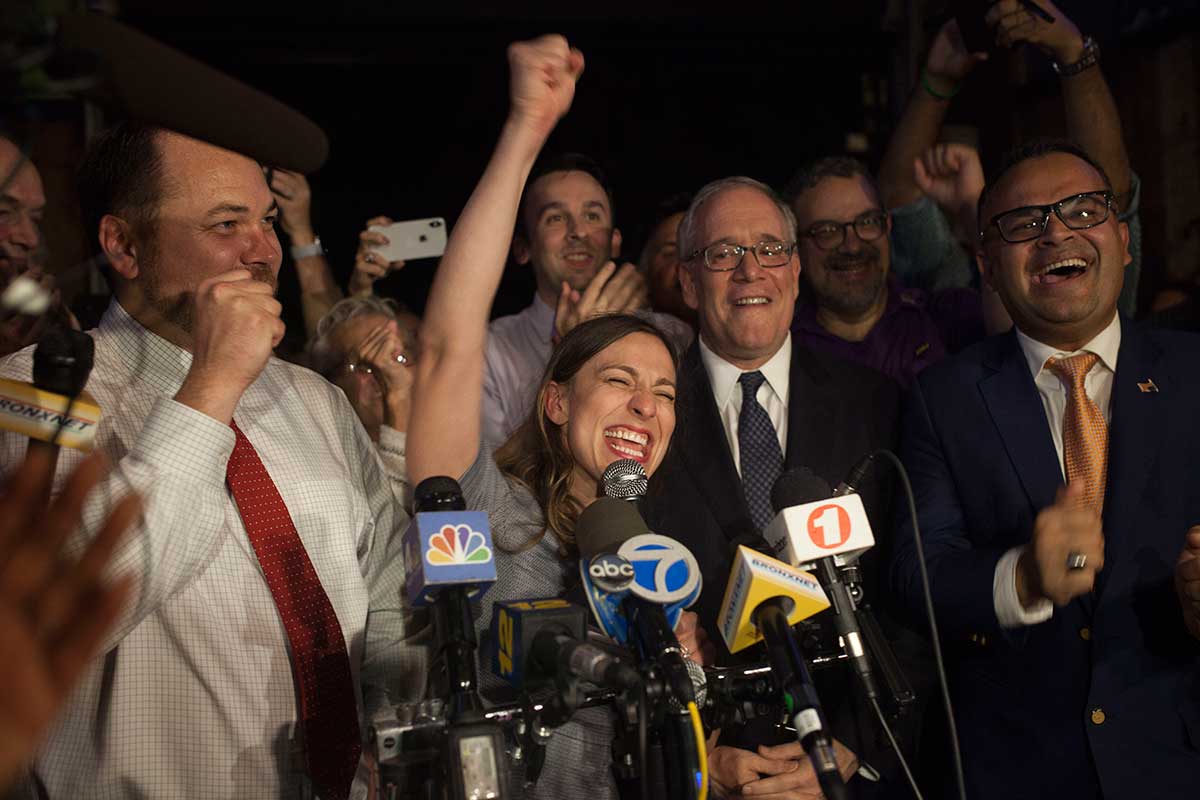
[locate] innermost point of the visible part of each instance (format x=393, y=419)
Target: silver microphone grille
x=699, y=684
x=624, y=480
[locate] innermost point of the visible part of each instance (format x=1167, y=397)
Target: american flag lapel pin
x=1147, y=386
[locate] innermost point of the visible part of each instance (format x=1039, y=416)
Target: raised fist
x=950, y=175
x=542, y=84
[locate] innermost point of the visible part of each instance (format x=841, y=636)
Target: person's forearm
x=1093, y=123
x=456, y=313
x=915, y=133
x=319, y=292
x=448, y=391
x=396, y=409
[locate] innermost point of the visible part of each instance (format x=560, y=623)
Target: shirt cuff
x=393, y=441
x=182, y=440
x=1009, y=611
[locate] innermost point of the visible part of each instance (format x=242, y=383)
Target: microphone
x=445, y=545
x=763, y=599
x=857, y=473
x=625, y=480
x=539, y=641
x=637, y=585
x=757, y=578
x=813, y=522
x=812, y=526
x=448, y=555
x=53, y=409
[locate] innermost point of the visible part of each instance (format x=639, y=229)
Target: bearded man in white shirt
x=1054, y=469
x=265, y=624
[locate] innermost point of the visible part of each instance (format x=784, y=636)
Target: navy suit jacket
x=1101, y=700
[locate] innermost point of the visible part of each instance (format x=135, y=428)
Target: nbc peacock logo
x=458, y=544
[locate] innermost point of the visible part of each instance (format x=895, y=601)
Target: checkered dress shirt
x=194, y=697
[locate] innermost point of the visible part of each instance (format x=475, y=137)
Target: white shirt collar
x=541, y=316
x=1105, y=345
x=723, y=376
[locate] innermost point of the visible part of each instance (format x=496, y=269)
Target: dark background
x=412, y=96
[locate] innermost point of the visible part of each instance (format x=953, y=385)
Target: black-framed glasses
x=829, y=235
x=725, y=256
x=1077, y=212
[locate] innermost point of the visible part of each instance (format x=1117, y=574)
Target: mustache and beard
x=179, y=308
x=842, y=295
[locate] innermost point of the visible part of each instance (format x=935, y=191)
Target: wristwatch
x=1090, y=58
x=308, y=250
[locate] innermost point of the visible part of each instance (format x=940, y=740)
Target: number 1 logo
x=829, y=526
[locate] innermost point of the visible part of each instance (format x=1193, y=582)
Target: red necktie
x=328, y=712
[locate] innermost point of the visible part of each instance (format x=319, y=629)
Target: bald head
x=22, y=202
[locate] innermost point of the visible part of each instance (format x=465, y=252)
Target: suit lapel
x=704, y=449
x=1138, y=420
x=811, y=416
x=1016, y=409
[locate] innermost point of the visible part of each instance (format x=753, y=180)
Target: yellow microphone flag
x=756, y=577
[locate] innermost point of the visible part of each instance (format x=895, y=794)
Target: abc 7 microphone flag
x=655, y=568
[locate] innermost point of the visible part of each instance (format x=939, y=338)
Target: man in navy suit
x=740, y=271
x=1056, y=471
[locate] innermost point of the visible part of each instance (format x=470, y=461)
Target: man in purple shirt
x=851, y=306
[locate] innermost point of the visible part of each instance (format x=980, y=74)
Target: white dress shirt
x=1098, y=384
x=772, y=394
x=194, y=696
x=518, y=350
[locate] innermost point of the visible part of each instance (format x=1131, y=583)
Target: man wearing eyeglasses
x=853, y=306
x=1055, y=474
x=752, y=403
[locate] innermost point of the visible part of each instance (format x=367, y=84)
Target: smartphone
x=412, y=239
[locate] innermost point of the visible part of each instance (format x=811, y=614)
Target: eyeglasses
x=828, y=235
x=723, y=256
x=1077, y=212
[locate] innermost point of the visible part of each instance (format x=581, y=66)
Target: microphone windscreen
x=797, y=487
x=157, y=84
x=439, y=493
x=605, y=524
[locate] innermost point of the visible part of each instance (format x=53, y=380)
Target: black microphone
x=539, y=641
x=639, y=607
x=453, y=618
x=797, y=487
x=62, y=363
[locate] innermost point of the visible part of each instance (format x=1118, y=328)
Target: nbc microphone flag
x=447, y=548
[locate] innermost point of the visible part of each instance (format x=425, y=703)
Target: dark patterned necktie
x=759, y=452
x=328, y=711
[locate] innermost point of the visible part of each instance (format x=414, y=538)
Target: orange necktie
x=1085, y=433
